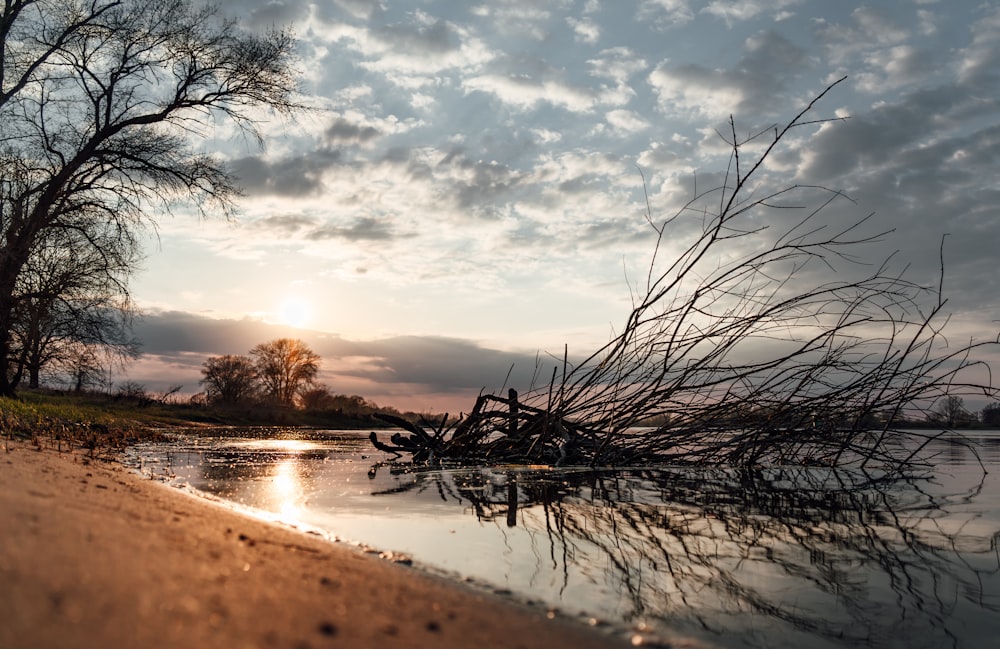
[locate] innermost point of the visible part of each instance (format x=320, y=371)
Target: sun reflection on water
x=286, y=490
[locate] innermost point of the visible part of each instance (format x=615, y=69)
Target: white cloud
x=694, y=89
x=893, y=67
x=525, y=93
x=982, y=56
x=619, y=64
x=626, y=121
x=424, y=48
x=585, y=31
x=665, y=13
x=733, y=11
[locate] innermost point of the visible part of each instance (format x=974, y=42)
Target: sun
x=295, y=312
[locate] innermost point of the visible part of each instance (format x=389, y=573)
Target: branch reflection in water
x=819, y=557
x=768, y=557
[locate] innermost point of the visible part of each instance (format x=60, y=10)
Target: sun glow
x=295, y=312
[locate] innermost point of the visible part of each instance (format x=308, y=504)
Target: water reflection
x=783, y=557
x=846, y=559
x=287, y=490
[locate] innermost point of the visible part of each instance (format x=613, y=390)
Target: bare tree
x=229, y=379
x=83, y=366
x=950, y=411
x=101, y=101
x=284, y=366
x=765, y=339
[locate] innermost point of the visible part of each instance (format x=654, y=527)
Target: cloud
x=266, y=14
x=756, y=84
x=585, y=30
x=741, y=10
x=868, y=30
x=980, y=61
x=423, y=35
x=516, y=18
x=294, y=175
x=870, y=140
x=410, y=52
x=893, y=67
x=285, y=225
x=619, y=64
x=525, y=91
x=666, y=13
x=346, y=131
x=361, y=229
x=626, y=121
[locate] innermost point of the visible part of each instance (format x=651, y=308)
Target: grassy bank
x=95, y=420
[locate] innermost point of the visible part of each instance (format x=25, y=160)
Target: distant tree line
x=102, y=104
x=282, y=373
x=279, y=372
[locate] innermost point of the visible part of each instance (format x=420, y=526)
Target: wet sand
x=93, y=555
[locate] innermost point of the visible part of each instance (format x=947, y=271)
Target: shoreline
x=94, y=555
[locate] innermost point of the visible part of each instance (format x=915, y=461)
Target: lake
x=739, y=558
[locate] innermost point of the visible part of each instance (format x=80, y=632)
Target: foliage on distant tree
x=229, y=379
x=102, y=102
x=950, y=411
x=316, y=398
x=991, y=414
x=284, y=366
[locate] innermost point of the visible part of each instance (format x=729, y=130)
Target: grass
x=101, y=421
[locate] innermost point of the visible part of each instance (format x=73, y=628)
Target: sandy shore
x=93, y=555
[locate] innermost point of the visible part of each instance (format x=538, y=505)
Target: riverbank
x=93, y=555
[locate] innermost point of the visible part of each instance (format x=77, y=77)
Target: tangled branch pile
x=765, y=341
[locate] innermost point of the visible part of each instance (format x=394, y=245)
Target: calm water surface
x=786, y=557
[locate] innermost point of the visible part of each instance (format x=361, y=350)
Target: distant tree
x=82, y=366
x=991, y=414
x=69, y=294
x=950, y=411
x=284, y=366
x=316, y=398
x=229, y=379
x=135, y=391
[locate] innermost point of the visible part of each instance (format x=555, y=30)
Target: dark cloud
x=481, y=187
x=761, y=79
x=613, y=233
x=435, y=38
x=868, y=140
x=266, y=14
x=175, y=332
x=362, y=229
x=358, y=8
x=445, y=364
x=345, y=131
x=292, y=176
x=285, y=225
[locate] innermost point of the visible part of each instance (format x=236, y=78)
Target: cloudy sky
x=468, y=193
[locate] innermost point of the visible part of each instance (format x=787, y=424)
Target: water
x=787, y=557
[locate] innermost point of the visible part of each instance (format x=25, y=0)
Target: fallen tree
x=766, y=340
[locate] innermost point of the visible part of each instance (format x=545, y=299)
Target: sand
x=94, y=555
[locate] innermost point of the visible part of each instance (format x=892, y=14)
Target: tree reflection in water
x=818, y=557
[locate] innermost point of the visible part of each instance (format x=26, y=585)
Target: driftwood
x=763, y=341
x=497, y=430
